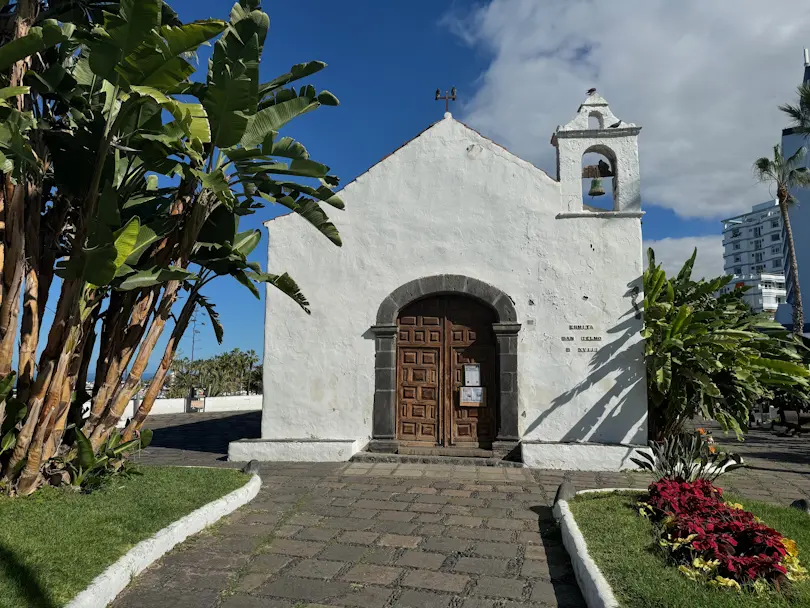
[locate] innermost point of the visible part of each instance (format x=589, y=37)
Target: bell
x=596, y=188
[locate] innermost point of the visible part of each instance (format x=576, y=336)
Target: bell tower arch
x=595, y=129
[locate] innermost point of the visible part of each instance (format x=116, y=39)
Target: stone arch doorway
x=451, y=307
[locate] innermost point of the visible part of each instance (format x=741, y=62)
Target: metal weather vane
x=447, y=98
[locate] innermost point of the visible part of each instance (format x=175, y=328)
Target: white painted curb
x=107, y=585
x=595, y=589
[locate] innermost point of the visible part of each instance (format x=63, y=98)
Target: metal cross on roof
x=448, y=97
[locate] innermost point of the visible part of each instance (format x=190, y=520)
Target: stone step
x=427, y=459
x=440, y=451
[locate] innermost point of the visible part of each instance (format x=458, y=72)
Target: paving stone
x=372, y=574
x=261, y=518
x=305, y=519
x=533, y=568
x=422, y=559
x=504, y=524
x=496, y=549
x=446, y=545
x=321, y=534
x=429, y=518
x=381, y=505
x=434, y=500
x=399, y=540
x=303, y=589
x=564, y=596
x=361, y=513
x=246, y=601
x=458, y=520
x=396, y=516
x=343, y=553
x=419, y=490
x=394, y=527
x=204, y=579
x=530, y=538
x=250, y=580
x=346, y=523
x=480, y=534
x=438, y=581
x=422, y=599
x=456, y=510
x=377, y=495
x=238, y=544
x=457, y=493
x=286, y=531
x=316, y=568
x=243, y=529
x=268, y=562
x=494, y=586
x=429, y=530
x=343, y=502
x=381, y=555
x=478, y=565
x=423, y=507
x=298, y=548
x=366, y=597
x=358, y=538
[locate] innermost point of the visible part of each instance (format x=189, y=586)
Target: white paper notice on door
x=472, y=375
x=471, y=396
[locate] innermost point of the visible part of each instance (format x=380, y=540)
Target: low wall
x=232, y=403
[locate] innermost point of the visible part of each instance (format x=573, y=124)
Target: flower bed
x=718, y=542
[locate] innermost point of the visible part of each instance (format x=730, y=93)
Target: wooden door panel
x=419, y=343
x=472, y=341
x=435, y=338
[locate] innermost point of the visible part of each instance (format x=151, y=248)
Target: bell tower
x=609, y=136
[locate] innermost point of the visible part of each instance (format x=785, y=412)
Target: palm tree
x=787, y=174
x=800, y=113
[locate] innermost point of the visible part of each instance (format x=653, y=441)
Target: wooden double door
x=436, y=337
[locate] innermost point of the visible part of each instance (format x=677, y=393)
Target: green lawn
x=621, y=544
x=52, y=544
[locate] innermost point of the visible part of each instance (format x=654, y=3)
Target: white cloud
x=703, y=79
x=673, y=252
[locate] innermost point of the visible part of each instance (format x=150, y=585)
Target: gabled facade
x=477, y=306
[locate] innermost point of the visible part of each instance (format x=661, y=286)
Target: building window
x=758, y=256
x=775, y=236
x=758, y=244
x=776, y=263
x=737, y=270
x=737, y=259
x=736, y=245
x=776, y=249
x=774, y=223
x=735, y=233
x=758, y=231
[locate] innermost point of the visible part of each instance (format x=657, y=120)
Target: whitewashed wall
x=454, y=202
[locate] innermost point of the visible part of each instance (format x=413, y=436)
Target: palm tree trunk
x=29, y=329
x=121, y=353
x=12, y=272
x=125, y=393
x=798, y=311
x=14, y=209
x=163, y=369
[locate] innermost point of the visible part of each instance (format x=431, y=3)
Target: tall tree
x=787, y=174
x=126, y=179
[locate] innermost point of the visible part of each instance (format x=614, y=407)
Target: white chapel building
x=478, y=307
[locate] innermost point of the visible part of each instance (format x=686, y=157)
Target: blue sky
x=521, y=68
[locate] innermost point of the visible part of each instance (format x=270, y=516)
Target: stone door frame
x=383, y=433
